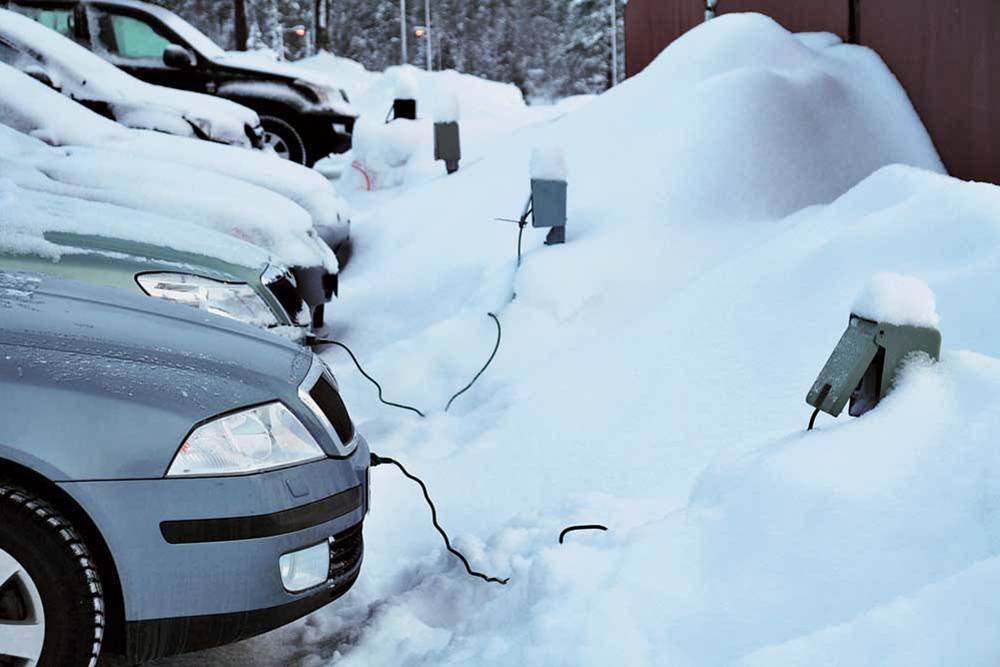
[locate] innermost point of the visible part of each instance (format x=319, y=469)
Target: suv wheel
x=51, y=601
x=283, y=139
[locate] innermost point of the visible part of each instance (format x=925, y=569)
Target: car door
x=135, y=42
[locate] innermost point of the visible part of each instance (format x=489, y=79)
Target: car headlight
x=255, y=440
x=237, y=301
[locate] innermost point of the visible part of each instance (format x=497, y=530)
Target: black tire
x=59, y=564
x=280, y=133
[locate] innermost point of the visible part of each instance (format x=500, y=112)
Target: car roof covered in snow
x=85, y=75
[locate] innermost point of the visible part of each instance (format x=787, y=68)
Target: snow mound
x=548, y=163
x=738, y=119
x=446, y=109
x=896, y=299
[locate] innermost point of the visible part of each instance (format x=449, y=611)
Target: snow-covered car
x=72, y=70
x=305, y=115
x=209, y=199
x=224, y=498
x=147, y=254
x=32, y=108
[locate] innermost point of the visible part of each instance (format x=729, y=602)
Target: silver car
x=169, y=480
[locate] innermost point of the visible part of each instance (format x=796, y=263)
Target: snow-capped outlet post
x=405, y=104
x=892, y=320
x=548, y=191
x=447, y=139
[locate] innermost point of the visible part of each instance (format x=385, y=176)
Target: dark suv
x=305, y=116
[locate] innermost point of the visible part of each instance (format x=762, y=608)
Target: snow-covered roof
x=81, y=74
x=34, y=109
x=27, y=215
x=209, y=199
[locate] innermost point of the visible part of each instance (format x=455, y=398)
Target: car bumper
x=198, y=559
x=327, y=133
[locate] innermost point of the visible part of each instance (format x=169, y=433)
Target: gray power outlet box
x=864, y=364
x=548, y=202
x=448, y=144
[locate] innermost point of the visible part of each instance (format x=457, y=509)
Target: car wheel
x=51, y=600
x=283, y=139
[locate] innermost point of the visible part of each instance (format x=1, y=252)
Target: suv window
x=60, y=20
x=130, y=37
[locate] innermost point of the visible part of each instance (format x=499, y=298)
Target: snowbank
x=896, y=299
x=652, y=377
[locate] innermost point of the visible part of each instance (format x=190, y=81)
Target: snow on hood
x=81, y=74
x=212, y=200
x=652, y=377
x=32, y=108
x=27, y=215
x=265, y=61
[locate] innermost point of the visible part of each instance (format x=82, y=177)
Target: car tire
x=48, y=576
x=284, y=139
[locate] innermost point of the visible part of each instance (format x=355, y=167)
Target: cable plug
x=376, y=460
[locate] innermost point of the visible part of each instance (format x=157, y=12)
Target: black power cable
x=377, y=460
x=589, y=526
x=483, y=369
x=401, y=406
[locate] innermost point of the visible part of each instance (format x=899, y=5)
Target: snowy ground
x=726, y=207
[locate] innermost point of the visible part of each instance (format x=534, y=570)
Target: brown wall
x=946, y=53
x=798, y=15
x=650, y=25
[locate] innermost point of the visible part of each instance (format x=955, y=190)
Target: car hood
x=256, y=66
x=48, y=313
x=71, y=355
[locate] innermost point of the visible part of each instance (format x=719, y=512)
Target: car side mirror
x=178, y=57
x=39, y=75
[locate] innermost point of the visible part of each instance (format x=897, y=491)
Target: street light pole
x=402, y=29
x=614, y=43
x=430, y=38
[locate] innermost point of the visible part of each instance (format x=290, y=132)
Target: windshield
x=195, y=38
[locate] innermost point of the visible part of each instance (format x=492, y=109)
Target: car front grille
x=284, y=290
x=345, y=553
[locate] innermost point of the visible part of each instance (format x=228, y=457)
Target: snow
x=406, y=86
x=652, y=376
x=80, y=74
x=27, y=215
x=548, y=163
x=446, y=109
x=263, y=61
x=728, y=204
x=31, y=108
x=210, y=199
x=895, y=299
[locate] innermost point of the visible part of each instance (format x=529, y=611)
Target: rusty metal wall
x=798, y=15
x=946, y=53
x=650, y=25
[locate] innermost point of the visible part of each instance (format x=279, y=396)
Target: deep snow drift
x=727, y=208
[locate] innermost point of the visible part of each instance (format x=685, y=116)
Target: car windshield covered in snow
x=78, y=73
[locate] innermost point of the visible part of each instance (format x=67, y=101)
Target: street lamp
x=614, y=43
x=402, y=29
